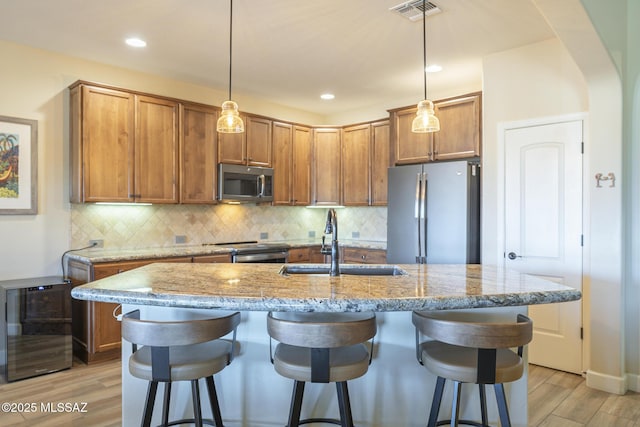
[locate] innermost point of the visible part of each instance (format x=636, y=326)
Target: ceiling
x=285, y=51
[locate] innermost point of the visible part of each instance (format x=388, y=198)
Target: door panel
x=543, y=231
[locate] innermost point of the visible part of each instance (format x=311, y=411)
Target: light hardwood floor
x=556, y=399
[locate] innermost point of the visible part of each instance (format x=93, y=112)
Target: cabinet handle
x=120, y=271
x=364, y=257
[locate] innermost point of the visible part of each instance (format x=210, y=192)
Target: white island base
x=395, y=392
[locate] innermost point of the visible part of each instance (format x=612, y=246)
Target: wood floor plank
x=581, y=404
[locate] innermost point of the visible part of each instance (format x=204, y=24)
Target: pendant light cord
x=230, y=41
x=424, y=46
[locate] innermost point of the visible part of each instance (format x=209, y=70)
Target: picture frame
x=18, y=166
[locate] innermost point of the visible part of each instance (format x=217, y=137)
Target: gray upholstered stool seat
x=180, y=351
x=321, y=348
x=471, y=352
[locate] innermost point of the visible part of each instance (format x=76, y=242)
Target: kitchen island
x=395, y=392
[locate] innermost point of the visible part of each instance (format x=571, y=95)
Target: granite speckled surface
x=89, y=256
x=260, y=287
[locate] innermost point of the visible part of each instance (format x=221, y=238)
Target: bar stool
x=470, y=352
x=180, y=351
x=321, y=348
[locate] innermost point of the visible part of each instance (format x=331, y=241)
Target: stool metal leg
x=346, y=418
x=455, y=406
x=483, y=405
x=165, y=404
x=195, y=393
x=505, y=421
x=435, y=403
x=296, y=404
x=148, y=404
x=213, y=400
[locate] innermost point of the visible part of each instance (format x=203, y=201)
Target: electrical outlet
x=355, y=234
x=97, y=243
x=181, y=239
x=312, y=234
x=264, y=236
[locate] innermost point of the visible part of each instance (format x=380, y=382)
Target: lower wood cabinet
x=364, y=256
x=96, y=332
x=308, y=254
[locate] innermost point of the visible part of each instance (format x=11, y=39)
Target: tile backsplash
x=132, y=227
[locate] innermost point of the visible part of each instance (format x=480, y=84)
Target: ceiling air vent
x=412, y=10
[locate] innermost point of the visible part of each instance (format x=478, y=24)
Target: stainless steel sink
x=346, y=269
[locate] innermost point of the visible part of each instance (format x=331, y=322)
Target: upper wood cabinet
x=380, y=162
x=356, y=160
x=365, y=161
x=156, y=150
x=253, y=147
x=459, y=135
x=291, y=164
x=101, y=144
x=198, y=168
x=327, y=153
x=124, y=146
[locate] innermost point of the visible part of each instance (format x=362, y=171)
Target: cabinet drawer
x=365, y=256
x=299, y=255
x=100, y=271
x=212, y=258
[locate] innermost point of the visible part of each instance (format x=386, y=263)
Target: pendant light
x=229, y=120
x=425, y=120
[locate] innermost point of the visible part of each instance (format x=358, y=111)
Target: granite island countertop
x=260, y=287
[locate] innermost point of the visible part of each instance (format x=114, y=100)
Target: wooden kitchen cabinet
x=198, y=168
x=365, y=161
x=364, y=256
x=124, y=146
x=253, y=147
x=458, y=138
x=327, y=153
x=356, y=161
x=299, y=255
x=380, y=162
x=291, y=164
x=209, y=259
x=96, y=332
x=460, y=127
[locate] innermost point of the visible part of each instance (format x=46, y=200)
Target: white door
x=543, y=231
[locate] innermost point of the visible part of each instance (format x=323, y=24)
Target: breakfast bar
x=395, y=392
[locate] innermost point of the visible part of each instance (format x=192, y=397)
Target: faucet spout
x=331, y=227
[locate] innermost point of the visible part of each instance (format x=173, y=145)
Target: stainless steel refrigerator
x=434, y=213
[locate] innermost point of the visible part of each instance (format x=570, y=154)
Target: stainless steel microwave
x=244, y=183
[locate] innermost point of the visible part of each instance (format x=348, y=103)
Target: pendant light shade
x=229, y=120
x=426, y=120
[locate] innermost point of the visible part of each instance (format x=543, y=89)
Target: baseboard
x=608, y=383
x=633, y=382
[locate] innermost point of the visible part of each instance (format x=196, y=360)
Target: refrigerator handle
x=418, y=202
x=425, y=200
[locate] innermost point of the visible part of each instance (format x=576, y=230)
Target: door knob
x=512, y=255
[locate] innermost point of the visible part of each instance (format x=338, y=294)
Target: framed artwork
x=18, y=166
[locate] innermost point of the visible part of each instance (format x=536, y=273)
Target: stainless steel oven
x=252, y=251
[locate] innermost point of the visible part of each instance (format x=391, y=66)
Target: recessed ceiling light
x=434, y=68
x=135, y=42
x=327, y=96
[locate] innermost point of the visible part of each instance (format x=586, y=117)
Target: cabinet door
x=301, y=163
x=459, y=135
x=282, y=162
x=198, y=176
x=379, y=162
x=156, y=150
x=258, y=141
x=327, y=169
x=106, y=146
x=410, y=147
x=232, y=147
x=356, y=158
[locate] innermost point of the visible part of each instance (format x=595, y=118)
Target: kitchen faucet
x=332, y=228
